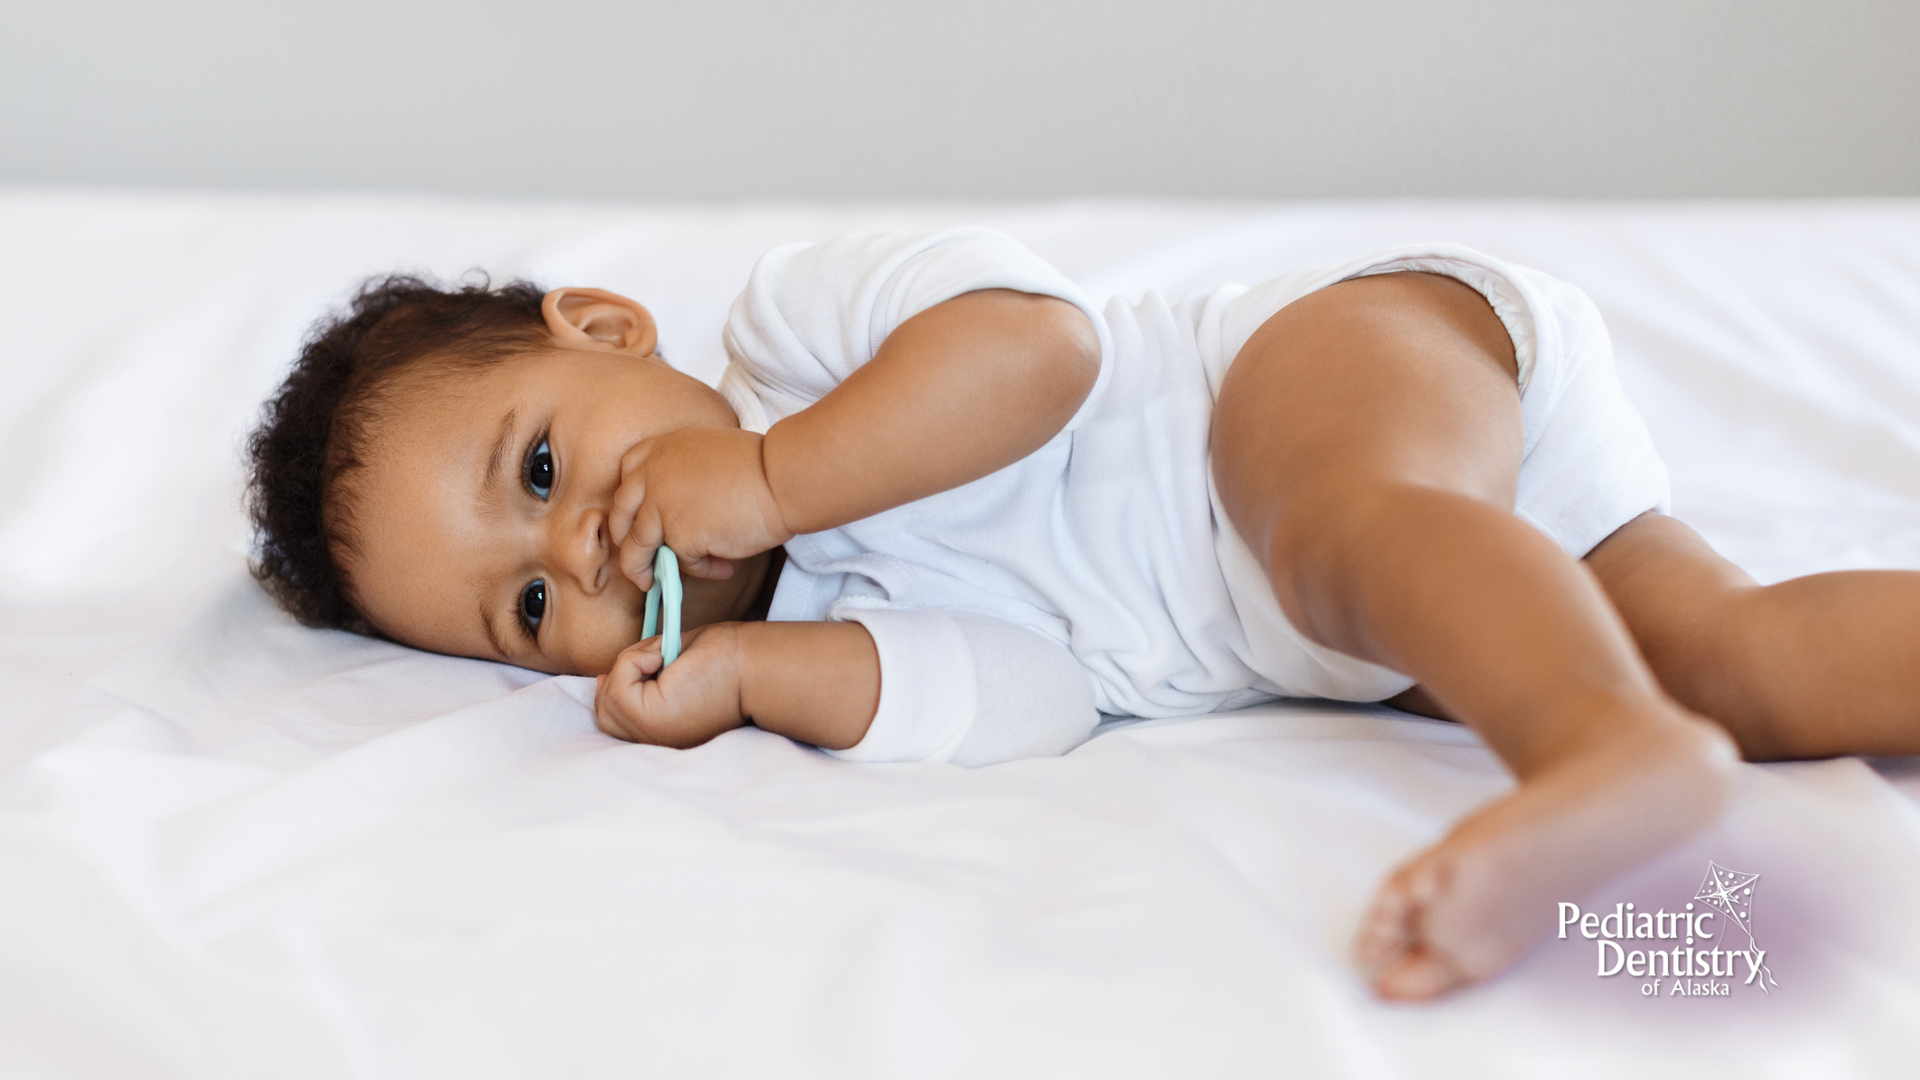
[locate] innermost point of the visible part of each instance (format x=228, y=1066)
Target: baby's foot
x=1468, y=907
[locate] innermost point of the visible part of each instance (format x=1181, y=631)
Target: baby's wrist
x=773, y=511
x=812, y=681
x=744, y=636
x=789, y=486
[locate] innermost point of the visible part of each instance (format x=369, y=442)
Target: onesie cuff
x=927, y=686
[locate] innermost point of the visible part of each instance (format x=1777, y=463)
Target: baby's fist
x=701, y=491
x=694, y=699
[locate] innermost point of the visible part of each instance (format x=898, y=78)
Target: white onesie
x=1099, y=574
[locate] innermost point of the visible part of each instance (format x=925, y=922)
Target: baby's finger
x=708, y=568
x=644, y=657
x=638, y=549
x=609, y=708
x=635, y=664
x=618, y=695
x=627, y=500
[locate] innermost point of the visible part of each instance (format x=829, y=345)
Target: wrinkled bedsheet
x=232, y=847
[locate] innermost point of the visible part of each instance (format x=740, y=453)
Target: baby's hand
x=700, y=491
x=695, y=699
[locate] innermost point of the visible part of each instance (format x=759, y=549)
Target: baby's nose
x=584, y=551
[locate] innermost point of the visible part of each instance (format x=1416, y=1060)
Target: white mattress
x=230, y=847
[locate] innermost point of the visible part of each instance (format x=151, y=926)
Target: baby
x=943, y=507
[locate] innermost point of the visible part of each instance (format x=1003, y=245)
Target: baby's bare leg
x=1814, y=667
x=1366, y=444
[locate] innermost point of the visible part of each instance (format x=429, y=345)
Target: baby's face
x=482, y=508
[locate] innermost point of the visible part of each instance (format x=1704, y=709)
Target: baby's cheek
x=599, y=640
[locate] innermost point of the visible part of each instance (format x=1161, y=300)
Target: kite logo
x=1730, y=892
x=1697, y=964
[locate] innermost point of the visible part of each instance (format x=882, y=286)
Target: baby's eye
x=533, y=606
x=540, y=471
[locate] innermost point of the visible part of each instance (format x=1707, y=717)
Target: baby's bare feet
x=1468, y=907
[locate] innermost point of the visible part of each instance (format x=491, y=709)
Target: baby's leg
x=1817, y=666
x=1367, y=444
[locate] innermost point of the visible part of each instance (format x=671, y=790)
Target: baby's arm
x=815, y=682
x=967, y=387
x=986, y=690
x=960, y=390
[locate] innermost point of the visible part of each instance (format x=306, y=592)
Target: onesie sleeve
x=969, y=689
x=813, y=313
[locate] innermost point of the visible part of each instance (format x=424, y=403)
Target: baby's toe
x=1387, y=929
x=1417, y=975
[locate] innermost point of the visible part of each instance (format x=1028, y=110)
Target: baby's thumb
x=632, y=667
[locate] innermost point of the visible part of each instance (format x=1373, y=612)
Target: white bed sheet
x=233, y=847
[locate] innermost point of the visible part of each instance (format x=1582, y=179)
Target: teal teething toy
x=666, y=582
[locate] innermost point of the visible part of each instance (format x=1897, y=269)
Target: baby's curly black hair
x=314, y=431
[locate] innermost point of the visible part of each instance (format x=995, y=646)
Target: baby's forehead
x=420, y=534
x=452, y=377
x=443, y=404
x=419, y=438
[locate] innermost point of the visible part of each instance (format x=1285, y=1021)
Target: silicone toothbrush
x=666, y=582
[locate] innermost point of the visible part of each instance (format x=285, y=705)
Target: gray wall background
x=992, y=99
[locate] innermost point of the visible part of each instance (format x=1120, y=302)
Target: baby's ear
x=598, y=319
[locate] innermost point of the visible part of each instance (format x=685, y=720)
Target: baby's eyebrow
x=501, y=446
